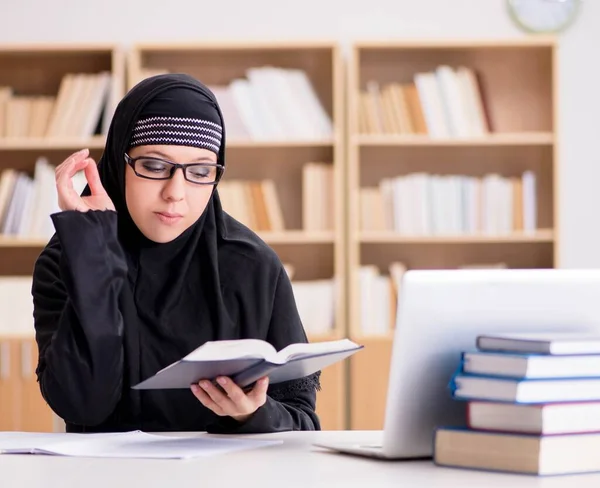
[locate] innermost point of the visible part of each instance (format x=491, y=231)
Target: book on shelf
x=379, y=296
x=315, y=301
x=269, y=103
x=81, y=108
x=253, y=203
x=528, y=410
x=432, y=204
x=256, y=203
x=318, y=197
x=26, y=202
x=443, y=103
x=247, y=360
x=16, y=305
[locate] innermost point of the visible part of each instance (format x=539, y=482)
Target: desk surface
x=295, y=463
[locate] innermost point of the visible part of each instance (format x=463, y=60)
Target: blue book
x=530, y=366
x=529, y=391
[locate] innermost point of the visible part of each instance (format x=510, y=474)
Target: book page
x=234, y=349
x=27, y=442
x=135, y=444
x=295, y=351
x=152, y=446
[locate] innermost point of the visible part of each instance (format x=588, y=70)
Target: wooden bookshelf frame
x=219, y=63
x=539, y=140
x=37, y=69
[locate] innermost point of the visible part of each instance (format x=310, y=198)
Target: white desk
x=295, y=463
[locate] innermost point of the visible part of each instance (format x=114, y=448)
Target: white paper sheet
x=125, y=445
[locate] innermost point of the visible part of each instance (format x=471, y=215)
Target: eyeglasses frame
x=220, y=169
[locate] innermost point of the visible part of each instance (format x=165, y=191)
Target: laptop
x=440, y=314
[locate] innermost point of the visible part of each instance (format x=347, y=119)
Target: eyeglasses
x=159, y=169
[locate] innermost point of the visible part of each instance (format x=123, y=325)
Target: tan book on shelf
x=375, y=107
x=415, y=109
x=80, y=104
x=18, y=116
x=40, y=115
x=259, y=206
x=370, y=112
x=247, y=200
x=59, y=109
x=405, y=122
x=329, y=190
x=363, y=118
x=387, y=109
x=517, y=193
x=273, y=206
x=5, y=95
x=372, y=217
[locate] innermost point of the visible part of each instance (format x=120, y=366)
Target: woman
x=145, y=266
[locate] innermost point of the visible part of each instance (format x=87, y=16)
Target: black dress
x=111, y=308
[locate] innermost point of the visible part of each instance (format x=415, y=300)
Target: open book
x=247, y=360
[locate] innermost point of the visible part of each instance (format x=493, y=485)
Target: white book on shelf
x=16, y=305
x=313, y=106
x=8, y=181
x=271, y=82
x=474, y=103
x=100, y=87
x=452, y=100
x=17, y=202
x=316, y=304
x=300, y=125
x=432, y=104
x=249, y=111
x=266, y=102
x=234, y=125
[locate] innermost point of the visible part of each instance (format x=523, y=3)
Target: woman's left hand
x=234, y=402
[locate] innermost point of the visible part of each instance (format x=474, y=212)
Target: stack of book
x=533, y=406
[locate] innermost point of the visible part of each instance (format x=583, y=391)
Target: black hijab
x=215, y=281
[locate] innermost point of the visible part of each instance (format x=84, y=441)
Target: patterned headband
x=178, y=131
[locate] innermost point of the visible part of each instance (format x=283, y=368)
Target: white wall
x=127, y=21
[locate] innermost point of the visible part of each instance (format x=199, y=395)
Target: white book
x=247, y=360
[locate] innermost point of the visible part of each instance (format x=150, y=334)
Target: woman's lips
x=169, y=218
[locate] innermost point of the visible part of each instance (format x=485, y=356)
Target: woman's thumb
x=93, y=178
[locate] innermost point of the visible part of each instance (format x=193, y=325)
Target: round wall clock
x=544, y=16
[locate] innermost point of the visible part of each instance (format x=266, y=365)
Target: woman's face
x=164, y=209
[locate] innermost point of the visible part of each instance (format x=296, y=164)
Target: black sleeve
x=79, y=328
x=289, y=405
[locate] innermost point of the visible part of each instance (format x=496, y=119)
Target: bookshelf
x=452, y=162
x=49, y=109
x=283, y=109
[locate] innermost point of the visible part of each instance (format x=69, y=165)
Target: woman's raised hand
x=68, y=198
